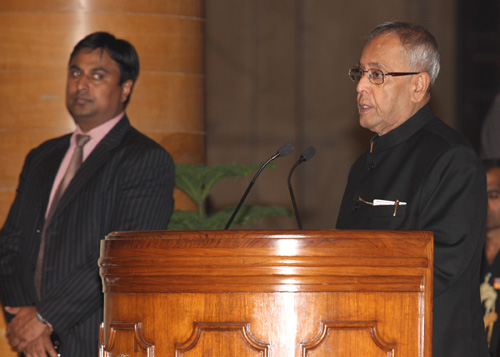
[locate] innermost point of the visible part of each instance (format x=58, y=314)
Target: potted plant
x=197, y=181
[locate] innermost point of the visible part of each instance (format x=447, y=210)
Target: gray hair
x=420, y=45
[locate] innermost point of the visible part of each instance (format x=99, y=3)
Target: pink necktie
x=74, y=165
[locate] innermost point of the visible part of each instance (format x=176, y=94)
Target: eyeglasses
x=376, y=76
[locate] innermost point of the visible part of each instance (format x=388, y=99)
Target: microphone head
x=308, y=153
x=286, y=149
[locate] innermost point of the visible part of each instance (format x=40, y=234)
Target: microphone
x=306, y=155
x=284, y=150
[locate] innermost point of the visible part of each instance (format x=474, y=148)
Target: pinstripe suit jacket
x=125, y=184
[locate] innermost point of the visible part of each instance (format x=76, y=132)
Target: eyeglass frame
x=394, y=74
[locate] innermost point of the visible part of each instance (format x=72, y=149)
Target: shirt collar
x=402, y=132
x=99, y=132
x=96, y=135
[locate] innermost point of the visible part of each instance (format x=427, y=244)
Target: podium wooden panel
x=267, y=293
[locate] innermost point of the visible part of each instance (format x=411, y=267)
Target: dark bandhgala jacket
x=125, y=184
x=441, y=186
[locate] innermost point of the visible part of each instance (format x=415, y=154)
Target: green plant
x=197, y=181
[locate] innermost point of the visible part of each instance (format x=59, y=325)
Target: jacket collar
x=402, y=132
x=97, y=159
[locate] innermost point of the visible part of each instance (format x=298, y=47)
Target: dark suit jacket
x=432, y=168
x=125, y=184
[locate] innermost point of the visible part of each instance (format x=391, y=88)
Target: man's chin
x=79, y=112
x=364, y=122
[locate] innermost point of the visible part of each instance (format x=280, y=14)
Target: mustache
x=82, y=95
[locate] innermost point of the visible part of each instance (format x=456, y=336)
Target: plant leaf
x=197, y=180
x=191, y=220
x=254, y=213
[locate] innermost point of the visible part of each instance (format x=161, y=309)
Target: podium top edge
x=270, y=234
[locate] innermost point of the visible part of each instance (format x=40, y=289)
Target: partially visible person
x=420, y=174
x=50, y=243
x=490, y=269
x=490, y=131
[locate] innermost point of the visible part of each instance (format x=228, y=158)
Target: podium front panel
x=267, y=293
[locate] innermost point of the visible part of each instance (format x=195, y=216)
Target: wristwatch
x=40, y=318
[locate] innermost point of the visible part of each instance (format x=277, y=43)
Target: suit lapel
x=48, y=167
x=97, y=159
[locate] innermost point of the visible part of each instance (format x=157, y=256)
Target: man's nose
x=82, y=83
x=364, y=83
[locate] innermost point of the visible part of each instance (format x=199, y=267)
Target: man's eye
x=74, y=73
x=493, y=195
x=377, y=74
x=97, y=76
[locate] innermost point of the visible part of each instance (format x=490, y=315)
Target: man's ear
x=126, y=89
x=421, y=82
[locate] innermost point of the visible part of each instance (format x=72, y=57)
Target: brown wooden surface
x=192, y=8
x=168, y=100
x=267, y=293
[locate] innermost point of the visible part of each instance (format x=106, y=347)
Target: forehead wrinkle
x=99, y=69
x=372, y=65
x=386, y=47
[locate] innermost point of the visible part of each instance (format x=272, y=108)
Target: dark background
x=276, y=71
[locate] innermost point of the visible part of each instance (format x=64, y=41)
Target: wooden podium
x=267, y=293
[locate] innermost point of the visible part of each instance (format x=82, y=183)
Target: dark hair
x=121, y=51
x=420, y=45
x=491, y=163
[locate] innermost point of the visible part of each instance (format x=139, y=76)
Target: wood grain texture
x=170, y=44
x=194, y=8
x=295, y=293
x=37, y=39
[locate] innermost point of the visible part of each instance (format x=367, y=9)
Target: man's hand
x=25, y=327
x=40, y=347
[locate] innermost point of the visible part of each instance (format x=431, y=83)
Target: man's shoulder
x=446, y=149
x=138, y=147
x=435, y=131
x=50, y=144
x=126, y=136
x=136, y=139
